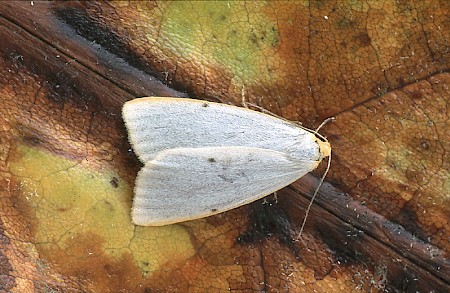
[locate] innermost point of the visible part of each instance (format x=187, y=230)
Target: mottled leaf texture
x=381, y=220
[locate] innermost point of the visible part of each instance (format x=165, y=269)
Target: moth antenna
x=322, y=124
x=244, y=103
x=247, y=104
x=265, y=111
x=314, y=196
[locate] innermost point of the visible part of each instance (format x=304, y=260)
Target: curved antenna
x=314, y=196
x=316, y=132
x=323, y=123
x=322, y=179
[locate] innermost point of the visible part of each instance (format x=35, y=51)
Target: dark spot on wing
x=213, y=210
x=205, y=105
x=226, y=179
x=212, y=160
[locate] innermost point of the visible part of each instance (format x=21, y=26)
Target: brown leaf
x=67, y=173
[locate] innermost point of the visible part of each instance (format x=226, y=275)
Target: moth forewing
x=203, y=158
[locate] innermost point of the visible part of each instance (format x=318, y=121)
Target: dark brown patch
x=212, y=160
x=30, y=136
x=205, y=105
x=114, y=182
x=345, y=254
x=415, y=95
x=32, y=140
x=267, y=220
x=407, y=217
x=362, y=39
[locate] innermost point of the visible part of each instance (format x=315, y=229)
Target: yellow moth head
x=324, y=148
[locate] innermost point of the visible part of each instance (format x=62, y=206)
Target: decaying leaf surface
x=67, y=203
x=408, y=180
x=300, y=59
x=67, y=175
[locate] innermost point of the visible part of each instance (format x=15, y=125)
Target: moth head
x=324, y=148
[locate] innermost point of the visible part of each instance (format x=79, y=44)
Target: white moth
x=203, y=158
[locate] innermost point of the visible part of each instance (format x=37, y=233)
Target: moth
x=203, y=158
